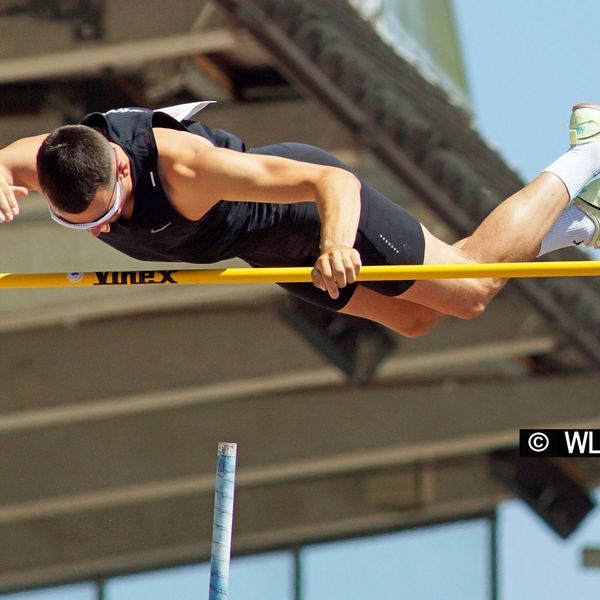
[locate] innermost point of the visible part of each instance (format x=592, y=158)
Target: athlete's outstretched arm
x=198, y=175
x=18, y=174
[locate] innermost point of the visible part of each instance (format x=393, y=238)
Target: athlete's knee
x=421, y=324
x=418, y=328
x=479, y=294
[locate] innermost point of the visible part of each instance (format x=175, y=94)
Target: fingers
x=333, y=276
x=9, y=207
x=352, y=266
x=336, y=269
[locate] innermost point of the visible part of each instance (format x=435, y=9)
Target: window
x=449, y=561
x=80, y=591
x=529, y=550
x=257, y=577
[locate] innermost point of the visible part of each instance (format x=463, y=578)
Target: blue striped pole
x=222, y=521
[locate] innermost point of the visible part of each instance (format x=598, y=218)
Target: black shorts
x=387, y=234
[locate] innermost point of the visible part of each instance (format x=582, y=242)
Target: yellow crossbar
x=298, y=274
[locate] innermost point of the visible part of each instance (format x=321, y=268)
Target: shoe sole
x=588, y=200
x=577, y=132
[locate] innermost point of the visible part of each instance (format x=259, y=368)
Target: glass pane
x=529, y=550
x=182, y=583
x=262, y=577
x=80, y=591
x=446, y=561
x=258, y=577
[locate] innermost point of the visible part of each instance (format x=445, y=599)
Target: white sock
x=572, y=228
x=577, y=166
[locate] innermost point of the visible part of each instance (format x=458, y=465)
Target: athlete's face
x=105, y=208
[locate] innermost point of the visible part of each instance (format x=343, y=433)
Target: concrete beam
x=395, y=368
x=120, y=56
x=383, y=426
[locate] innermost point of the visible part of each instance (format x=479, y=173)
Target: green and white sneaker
x=588, y=200
x=584, y=126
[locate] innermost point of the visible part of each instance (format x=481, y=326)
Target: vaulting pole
x=222, y=522
x=585, y=268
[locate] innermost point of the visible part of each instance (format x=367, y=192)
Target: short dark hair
x=73, y=162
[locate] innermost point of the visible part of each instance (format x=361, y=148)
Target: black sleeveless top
x=262, y=234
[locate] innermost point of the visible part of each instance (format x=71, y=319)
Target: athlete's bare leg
x=513, y=232
x=407, y=318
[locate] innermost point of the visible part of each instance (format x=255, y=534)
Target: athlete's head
x=75, y=162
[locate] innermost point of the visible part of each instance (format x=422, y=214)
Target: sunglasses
x=112, y=211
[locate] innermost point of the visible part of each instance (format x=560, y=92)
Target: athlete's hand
x=336, y=268
x=9, y=207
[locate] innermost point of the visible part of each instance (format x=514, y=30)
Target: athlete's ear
x=122, y=165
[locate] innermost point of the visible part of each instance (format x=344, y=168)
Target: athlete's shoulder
x=179, y=145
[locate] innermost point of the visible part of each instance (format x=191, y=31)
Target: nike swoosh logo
x=161, y=229
x=577, y=243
